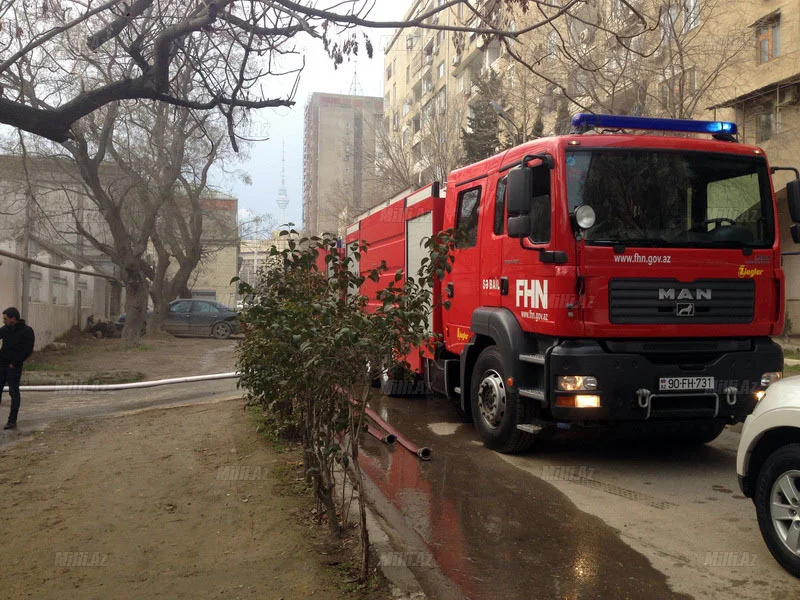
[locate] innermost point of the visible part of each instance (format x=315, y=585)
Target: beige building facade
x=338, y=151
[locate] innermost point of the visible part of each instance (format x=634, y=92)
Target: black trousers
x=10, y=377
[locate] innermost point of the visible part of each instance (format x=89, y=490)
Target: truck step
x=536, y=359
x=533, y=393
x=528, y=428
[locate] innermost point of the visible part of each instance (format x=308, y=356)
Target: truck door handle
x=449, y=290
x=504, y=286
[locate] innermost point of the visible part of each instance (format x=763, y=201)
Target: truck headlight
x=576, y=383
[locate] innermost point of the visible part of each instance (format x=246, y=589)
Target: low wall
x=49, y=321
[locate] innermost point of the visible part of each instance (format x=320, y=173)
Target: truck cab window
x=467, y=216
x=540, y=206
x=500, y=207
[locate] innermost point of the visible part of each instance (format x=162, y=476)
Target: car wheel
x=777, y=500
x=221, y=331
x=497, y=409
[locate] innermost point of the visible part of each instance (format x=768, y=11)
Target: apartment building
x=338, y=151
x=765, y=102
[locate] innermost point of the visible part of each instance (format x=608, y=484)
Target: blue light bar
x=584, y=121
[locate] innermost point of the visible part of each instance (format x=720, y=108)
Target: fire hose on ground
x=386, y=438
x=390, y=436
x=106, y=387
x=423, y=452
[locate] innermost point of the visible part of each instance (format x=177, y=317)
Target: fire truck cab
x=611, y=279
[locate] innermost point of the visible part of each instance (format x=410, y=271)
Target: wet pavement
x=494, y=531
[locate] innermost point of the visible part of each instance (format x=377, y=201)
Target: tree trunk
x=136, y=294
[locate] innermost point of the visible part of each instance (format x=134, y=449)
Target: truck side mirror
x=519, y=227
x=519, y=191
x=793, y=199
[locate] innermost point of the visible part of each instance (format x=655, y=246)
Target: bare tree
x=426, y=151
x=659, y=58
x=186, y=153
x=61, y=61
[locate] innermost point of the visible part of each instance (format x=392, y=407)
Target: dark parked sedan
x=196, y=317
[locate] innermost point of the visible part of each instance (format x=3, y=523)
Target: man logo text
x=684, y=294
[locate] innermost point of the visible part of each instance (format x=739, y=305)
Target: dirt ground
x=90, y=360
x=185, y=502
x=181, y=503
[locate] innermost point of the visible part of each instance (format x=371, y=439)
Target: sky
x=284, y=126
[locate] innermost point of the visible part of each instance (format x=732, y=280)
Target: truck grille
x=674, y=302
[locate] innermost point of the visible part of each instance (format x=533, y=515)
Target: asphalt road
x=580, y=516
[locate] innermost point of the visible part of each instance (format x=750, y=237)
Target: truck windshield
x=669, y=198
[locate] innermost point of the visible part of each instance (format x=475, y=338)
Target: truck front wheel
x=497, y=409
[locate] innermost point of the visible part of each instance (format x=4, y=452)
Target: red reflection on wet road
x=398, y=474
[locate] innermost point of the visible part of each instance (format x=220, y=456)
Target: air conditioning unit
x=435, y=49
x=481, y=42
x=429, y=59
x=788, y=95
x=456, y=60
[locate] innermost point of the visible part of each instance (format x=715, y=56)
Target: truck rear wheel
x=497, y=409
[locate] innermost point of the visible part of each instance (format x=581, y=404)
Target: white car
x=768, y=465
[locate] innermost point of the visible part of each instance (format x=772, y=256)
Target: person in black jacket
x=18, y=340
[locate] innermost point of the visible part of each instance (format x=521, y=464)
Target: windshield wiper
x=632, y=243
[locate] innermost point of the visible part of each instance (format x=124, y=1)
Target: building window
x=669, y=19
x=768, y=39
x=388, y=72
x=440, y=69
x=552, y=44
x=691, y=14
x=765, y=127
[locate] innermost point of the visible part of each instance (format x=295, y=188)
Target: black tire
x=497, y=426
x=221, y=330
x=782, y=463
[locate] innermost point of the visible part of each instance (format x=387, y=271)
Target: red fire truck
x=604, y=279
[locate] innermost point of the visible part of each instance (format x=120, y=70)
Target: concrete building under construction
x=338, y=154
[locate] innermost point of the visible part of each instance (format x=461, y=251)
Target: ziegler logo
x=745, y=272
x=684, y=294
x=461, y=336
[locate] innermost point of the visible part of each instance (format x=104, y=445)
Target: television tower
x=283, y=197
